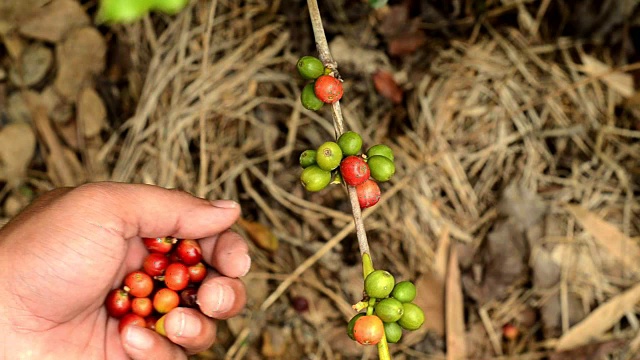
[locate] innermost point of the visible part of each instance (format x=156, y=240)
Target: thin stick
x=338, y=122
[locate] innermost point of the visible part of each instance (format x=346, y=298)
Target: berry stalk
x=338, y=123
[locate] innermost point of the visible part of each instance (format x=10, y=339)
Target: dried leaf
x=600, y=320
x=260, y=234
x=608, y=236
x=386, y=86
x=34, y=64
x=80, y=56
x=430, y=297
x=17, y=147
x=275, y=341
x=92, y=113
x=456, y=342
x=620, y=82
x=53, y=20
x=407, y=44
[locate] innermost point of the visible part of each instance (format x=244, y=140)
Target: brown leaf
x=34, y=64
x=600, y=320
x=260, y=234
x=53, y=20
x=386, y=86
x=17, y=147
x=407, y=44
x=456, y=342
x=275, y=341
x=80, y=56
x=92, y=114
x=608, y=236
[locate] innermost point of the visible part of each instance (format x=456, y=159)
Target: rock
x=80, y=57
x=17, y=147
x=34, y=64
x=52, y=21
x=92, y=114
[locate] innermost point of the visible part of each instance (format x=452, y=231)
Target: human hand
x=61, y=256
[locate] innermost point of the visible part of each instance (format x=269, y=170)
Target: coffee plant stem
x=338, y=123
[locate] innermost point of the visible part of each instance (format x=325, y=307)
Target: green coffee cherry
x=404, y=291
x=350, y=142
x=382, y=169
x=413, y=317
x=379, y=284
x=352, y=323
x=328, y=156
x=389, y=310
x=170, y=7
x=310, y=67
x=392, y=331
x=307, y=158
x=380, y=149
x=314, y=179
x=309, y=99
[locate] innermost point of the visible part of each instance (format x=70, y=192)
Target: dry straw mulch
x=514, y=202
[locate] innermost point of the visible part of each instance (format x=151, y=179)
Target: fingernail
x=225, y=204
x=223, y=297
x=245, y=264
x=137, y=338
x=189, y=325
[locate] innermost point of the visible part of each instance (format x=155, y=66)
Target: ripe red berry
x=155, y=264
x=138, y=284
x=328, y=89
x=368, y=193
x=142, y=306
x=131, y=319
x=188, y=297
x=354, y=170
x=165, y=300
x=197, y=272
x=176, y=277
x=189, y=252
x=368, y=330
x=118, y=303
x=159, y=245
x=151, y=321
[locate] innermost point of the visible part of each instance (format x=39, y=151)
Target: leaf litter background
x=515, y=126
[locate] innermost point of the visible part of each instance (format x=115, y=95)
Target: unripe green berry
x=404, y=291
x=328, y=155
x=382, y=169
x=393, y=332
x=389, y=310
x=310, y=67
x=350, y=142
x=413, y=317
x=314, y=179
x=379, y=284
x=309, y=99
x=307, y=158
x=380, y=149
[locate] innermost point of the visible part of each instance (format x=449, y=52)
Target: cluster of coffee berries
x=390, y=310
x=343, y=161
x=322, y=89
x=170, y=277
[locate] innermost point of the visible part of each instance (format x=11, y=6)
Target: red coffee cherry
x=159, y=245
x=165, y=300
x=138, y=284
x=354, y=170
x=131, y=319
x=155, y=264
x=197, y=272
x=118, y=303
x=328, y=89
x=368, y=193
x=142, y=306
x=189, y=252
x=176, y=277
